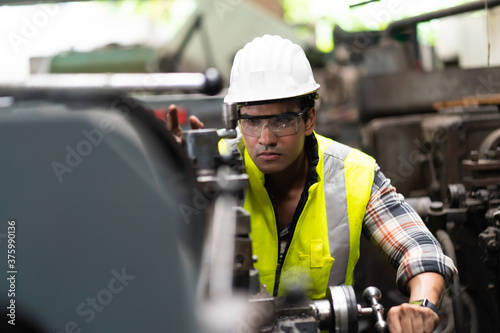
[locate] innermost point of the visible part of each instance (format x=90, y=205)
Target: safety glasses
x=281, y=124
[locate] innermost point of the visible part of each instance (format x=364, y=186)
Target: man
x=310, y=197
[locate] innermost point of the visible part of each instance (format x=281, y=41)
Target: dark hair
x=307, y=102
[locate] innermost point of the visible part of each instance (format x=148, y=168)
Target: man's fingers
x=173, y=123
x=411, y=318
x=195, y=123
x=172, y=119
x=393, y=321
x=431, y=321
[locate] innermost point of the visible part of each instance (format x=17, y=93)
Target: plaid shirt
x=400, y=234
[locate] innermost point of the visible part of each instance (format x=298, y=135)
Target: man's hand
x=411, y=318
x=173, y=123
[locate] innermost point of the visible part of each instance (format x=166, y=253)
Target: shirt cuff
x=424, y=262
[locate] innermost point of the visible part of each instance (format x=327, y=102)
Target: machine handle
x=372, y=295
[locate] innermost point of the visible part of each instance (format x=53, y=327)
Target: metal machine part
x=71, y=85
x=372, y=295
x=344, y=309
x=468, y=222
x=338, y=312
x=202, y=145
x=428, y=154
x=229, y=115
x=202, y=149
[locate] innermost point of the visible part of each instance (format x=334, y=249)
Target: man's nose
x=267, y=138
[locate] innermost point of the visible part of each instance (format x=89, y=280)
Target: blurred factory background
x=414, y=83
x=189, y=35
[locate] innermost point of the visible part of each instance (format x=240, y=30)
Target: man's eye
x=253, y=122
x=285, y=121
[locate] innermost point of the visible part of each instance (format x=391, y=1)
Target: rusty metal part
x=469, y=101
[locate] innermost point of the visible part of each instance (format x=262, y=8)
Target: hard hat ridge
x=270, y=68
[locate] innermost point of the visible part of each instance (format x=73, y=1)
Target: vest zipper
x=312, y=177
x=296, y=215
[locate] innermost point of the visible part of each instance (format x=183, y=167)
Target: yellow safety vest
x=325, y=245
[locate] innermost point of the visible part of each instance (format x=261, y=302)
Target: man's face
x=272, y=153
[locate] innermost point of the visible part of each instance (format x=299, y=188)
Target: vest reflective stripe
x=325, y=245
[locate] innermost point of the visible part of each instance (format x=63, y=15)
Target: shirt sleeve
x=399, y=233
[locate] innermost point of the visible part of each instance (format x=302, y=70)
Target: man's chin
x=269, y=168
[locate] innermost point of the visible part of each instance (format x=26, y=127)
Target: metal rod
x=362, y=3
x=209, y=83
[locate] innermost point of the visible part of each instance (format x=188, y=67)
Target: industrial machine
x=435, y=135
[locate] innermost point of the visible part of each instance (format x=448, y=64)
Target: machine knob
x=372, y=295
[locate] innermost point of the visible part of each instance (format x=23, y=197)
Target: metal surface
x=323, y=312
x=104, y=84
x=429, y=148
x=372, y=295
x=229, y=115
x=202, y=148
x=222, y=249
x=413, y=92
x=470, y=237
x=344, y=308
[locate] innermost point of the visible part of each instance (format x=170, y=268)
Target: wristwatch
x=425, y=302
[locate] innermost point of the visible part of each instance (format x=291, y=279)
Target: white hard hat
x=268, y=68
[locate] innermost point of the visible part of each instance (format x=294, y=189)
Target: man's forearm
x=427, y=285
x=414, y=318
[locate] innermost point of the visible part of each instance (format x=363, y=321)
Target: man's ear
x=311, y=121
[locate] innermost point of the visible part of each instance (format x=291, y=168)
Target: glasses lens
x=251, y=127
x=279, y=125
x=285, y=124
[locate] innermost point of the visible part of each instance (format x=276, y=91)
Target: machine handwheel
x=343, y=303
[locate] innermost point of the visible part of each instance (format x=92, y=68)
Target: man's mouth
x=269, y=156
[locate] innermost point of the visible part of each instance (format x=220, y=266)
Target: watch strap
x=428, y=304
